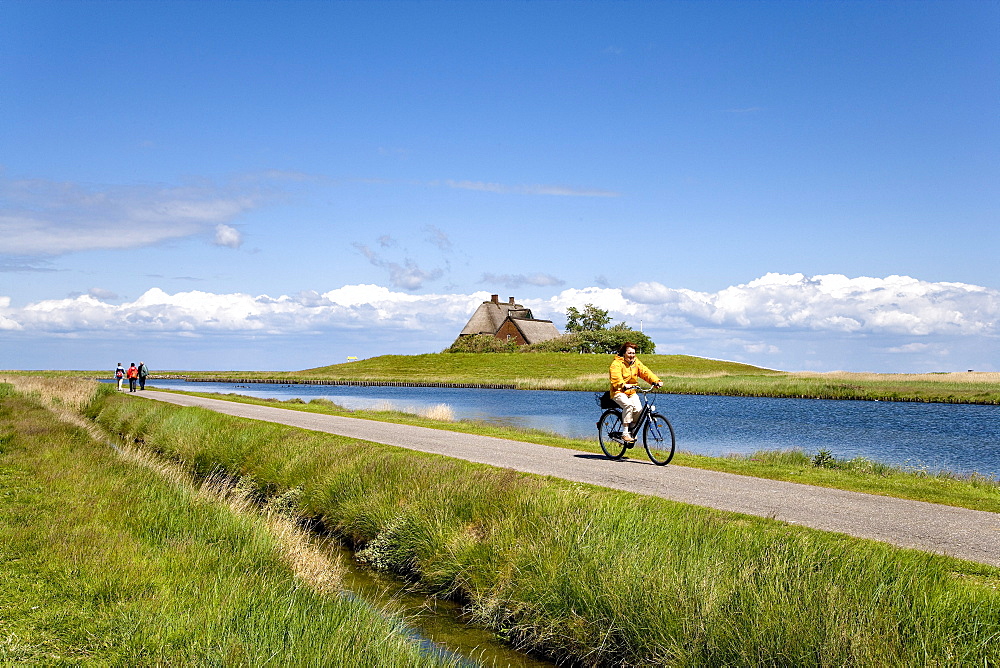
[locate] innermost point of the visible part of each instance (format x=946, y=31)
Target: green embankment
x=682, y=374
x=105, y=562
x=591, y=575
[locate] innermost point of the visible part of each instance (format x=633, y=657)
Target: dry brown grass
x=545, y=383
x=440, y=412
x=308, y=561
x=975, y=377
x=73, y=393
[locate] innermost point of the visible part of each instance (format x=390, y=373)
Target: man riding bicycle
x=625, y=373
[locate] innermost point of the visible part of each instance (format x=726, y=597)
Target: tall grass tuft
x=440, y=412
x=71, y=393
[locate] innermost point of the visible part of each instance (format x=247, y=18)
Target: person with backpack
x=133, y=375
x=119, y=375
x=143, y=372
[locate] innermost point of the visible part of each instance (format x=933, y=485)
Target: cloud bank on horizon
x=768, y=319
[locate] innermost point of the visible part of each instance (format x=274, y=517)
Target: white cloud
x=6, y=322
x=39, y=218
x=195, y=312
x=834, y=303
x=228, y=236
x=514, y=281
x=101, y=293
x=780, y=303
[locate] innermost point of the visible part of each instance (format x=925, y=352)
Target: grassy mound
x=542, y=369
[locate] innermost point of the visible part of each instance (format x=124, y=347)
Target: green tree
x=610, y=340
x=591, y=319
x=606, y=341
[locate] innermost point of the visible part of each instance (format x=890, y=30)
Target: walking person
x=625, y=372
x=119, y=375
x=143, y=372
x=133, y=375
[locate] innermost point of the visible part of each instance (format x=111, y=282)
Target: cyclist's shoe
x=628, y=441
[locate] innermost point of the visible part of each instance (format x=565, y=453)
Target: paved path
x=966, y=534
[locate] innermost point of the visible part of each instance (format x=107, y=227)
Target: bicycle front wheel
x=658, y=439
x=609, y=433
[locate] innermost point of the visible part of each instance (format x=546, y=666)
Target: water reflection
x=960, y=438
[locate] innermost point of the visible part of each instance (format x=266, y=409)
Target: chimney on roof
x=496, y=299
x=511, y=301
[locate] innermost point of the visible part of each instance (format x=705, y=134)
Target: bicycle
x=657, y=432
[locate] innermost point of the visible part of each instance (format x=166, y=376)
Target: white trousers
x=630, y=409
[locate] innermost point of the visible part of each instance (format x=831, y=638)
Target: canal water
x=952, y=437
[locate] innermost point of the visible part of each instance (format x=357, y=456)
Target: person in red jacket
x=133, y=375
x=625, y=373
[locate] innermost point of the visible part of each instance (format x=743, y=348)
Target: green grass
x=683, y=374
x=858, y=475
x=529, y=370
x=596, y=576
x=105, y=562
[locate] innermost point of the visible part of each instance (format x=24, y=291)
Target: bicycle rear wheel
x=609, y=433
x=658, y=439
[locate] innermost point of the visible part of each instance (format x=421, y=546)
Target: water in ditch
x=439, y=626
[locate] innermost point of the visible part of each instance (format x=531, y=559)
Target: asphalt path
x=967, y=534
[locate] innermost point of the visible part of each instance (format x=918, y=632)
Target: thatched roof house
x=509, y=321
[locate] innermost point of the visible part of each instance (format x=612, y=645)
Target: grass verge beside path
x=104, y=562
x=856, y=475
x=596, y=576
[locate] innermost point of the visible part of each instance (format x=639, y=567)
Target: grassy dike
x=594, y=576
x=105, y=561
x=682, y=374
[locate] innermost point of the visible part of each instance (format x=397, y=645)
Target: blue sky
x=242, y=185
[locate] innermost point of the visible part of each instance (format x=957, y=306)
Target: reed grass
x=438, y=412
x=593, y=576
x=60, y=391
x=115, y=559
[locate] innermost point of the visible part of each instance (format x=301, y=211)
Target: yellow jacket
x=622, y=374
